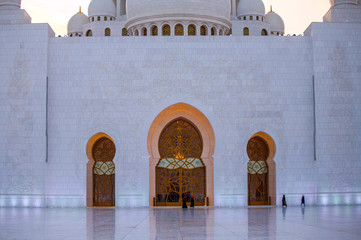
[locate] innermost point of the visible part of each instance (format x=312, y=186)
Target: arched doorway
x=180, y=173
x=103, y=171
x=205, y=129
x=258, y=152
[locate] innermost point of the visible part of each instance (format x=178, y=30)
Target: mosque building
x=149, y=102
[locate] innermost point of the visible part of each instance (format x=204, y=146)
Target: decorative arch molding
x=89, y=166
x=271, y=164
x=182, y=110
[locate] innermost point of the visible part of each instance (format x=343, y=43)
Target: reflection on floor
x=341, y=222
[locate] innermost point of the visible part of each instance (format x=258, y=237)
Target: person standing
x=184, y=202
x=303, y=201
x=284, y=204
x=192, y=201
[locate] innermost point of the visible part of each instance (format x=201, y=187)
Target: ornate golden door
x=103, y=172
x=257, y=151
x=180, y=172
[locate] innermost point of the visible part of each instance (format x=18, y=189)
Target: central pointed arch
x=180, y=173
x=200, y=121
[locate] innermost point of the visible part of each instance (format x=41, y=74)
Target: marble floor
x=292, y=223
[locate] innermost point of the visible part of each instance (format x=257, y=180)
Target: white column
x=10, y=4
x=117, y=7
x=209, y=179
x=122, y=7
x=152, y=177
x=234, y=8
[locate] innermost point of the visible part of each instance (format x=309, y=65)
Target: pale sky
x=297, y=14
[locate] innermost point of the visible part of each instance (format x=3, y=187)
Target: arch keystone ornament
x=181, y=146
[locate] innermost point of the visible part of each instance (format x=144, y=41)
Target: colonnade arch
x=200, y=121
x=176, y=28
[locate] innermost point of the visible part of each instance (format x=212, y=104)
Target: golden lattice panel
x=257, y=189
x=257, y=149
x=180, y=172
x=180, y=139
x=103, y=150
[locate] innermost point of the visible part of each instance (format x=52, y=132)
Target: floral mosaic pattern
x=104, y=168
x=187, y=163
x=257, y=167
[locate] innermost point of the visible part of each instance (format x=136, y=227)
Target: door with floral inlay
x=104, y=172
x=180, y=173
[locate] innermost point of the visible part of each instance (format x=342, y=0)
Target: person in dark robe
x=303, y=201
x=184, y=202
x=192, y=201
x=284, y=204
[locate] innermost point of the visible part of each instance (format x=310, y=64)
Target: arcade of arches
x=181, y=147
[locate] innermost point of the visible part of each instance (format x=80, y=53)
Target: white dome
x=76, y=22
x=276, y=22
x=151, y=10
x=101, y=8
x=338, y=2
x=250, y=7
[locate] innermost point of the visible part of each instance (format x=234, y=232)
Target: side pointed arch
x=89, y=152
x=196, y=117
x=271, y=165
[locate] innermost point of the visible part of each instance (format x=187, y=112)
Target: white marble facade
x=56, y=93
